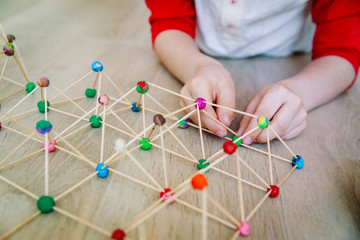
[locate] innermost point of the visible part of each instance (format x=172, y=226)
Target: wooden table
x=60, y=40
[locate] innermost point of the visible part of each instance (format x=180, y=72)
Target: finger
x=250, y=108
x=226, y=97
x=295, y=132
x=282, y=121
x=298, y=121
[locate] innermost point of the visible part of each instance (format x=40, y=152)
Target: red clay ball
x=118, y=234
x=275, y=191
x=229, y=147
x=199, y=182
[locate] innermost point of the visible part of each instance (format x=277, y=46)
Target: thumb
x=226, y=97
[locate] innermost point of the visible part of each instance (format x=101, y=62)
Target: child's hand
x=284, y=109
x=213, y=83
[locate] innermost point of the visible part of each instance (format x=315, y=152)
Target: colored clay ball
x=229, y=147
x=90, y=93
x=119, y=145
x=136, y=107
x=97, y=66
x=51, y=145
x=244, y=229
x=165, y=196
x=8, y=49
x=275, y=191
x=159, y=119
x=104, y=99
x=29, y=87
x=199, y=182
x=238, y=143
x=96, y=121
x=43, y=82
x=45, y=204
x=10, y=38
x=43, y=126
x=145, y=144
x=41, y=106
x=201, y=103
x=262, y=122
x=103, y=173
x=118, y=234
x=183, y=123
x=142, y=87
x=298, y=162
x=202, y=164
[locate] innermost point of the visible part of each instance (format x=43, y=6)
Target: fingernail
x=241, y=130
x=226, y=120
x=247, y=140
x=220, y=134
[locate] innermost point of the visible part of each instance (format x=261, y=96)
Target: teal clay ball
x=46, y=204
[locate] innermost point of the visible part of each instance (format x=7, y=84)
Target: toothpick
x=144, y=120
x=21, y=61
x=204, y=215
x=282, y=141
x=46, y=177
x=3, y=69
x=97, y=76
x=72, y=85
x=222, y=209
x=233, y=110
x=172, y=92
x=11, y=95
x=89, y=224
x=20, y=159
x=269, y=153
x=23, y=134
x=65, y=101
x=21, y=114
x=122, y=121
x=180, y=110
x=98, y=94
x=67, y=114
x=223, y=125
x=258, y=205
x=13, y=82
x=261, y=151
x=20, y=225
x=152, y=130
x=19, y=187
x=287, y=175
x=201, y=136
x=79, y=157
x=22, y=70
x=114, y=85
x=240, y=192
x=102, y=137
x=163, y=157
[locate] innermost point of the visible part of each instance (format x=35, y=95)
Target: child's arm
x=288, y=101
x=202, y=75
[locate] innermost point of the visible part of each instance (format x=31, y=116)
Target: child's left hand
x=284, y=109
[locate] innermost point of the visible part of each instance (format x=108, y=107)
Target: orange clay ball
x=199, y=182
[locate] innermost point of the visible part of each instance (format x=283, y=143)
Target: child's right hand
x=212, y=82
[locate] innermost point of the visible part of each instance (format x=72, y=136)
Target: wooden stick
x=144, y=120
x=102, y=137
x=89, y=224
x=58, y=197
x=72, y=133
x=67, y=114
x=174, y=153
x=4, y=35
x=134, y=179
x=79, y=157
x=117, y=156
x=65, y=101
x=159, y=104
x=258, y=205
x=23, y=134
x=21, y=61
x=180, y=110
x=22, y=70
x=223, y=125
x=14, y=82
x=261, y=151
x=163, y=157
x=287, y=175
x=152, y=130
x=144, y=170
x=230, y=225
x=97, y=76
x=117, y=129
x=21, y=114
x=235, y=236
x=98, y=94
x=11, y=95
x=114, y=85
x=222, y=209
x=19, y=187
x=269, y=153
x=2, y=52
x=3, y=69
x=68, y=98
x=138, y=101
x=233, y=110
x=20, y=225
x=46, y=177
x=253, y=171
x=17, y=147
x=282, y=141
x=20, y=159
x=122, y=121
x=76, y=82
x=169, y=91
x=240, y=192
x=204, y=215
x=201, y=136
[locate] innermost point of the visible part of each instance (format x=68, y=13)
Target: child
x=239, y=28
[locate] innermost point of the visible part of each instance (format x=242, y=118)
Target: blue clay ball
x=297, y=161
x=97, y=66
x=103, y=173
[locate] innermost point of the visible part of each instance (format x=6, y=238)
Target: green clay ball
x=29, y=87
x=41, y=106
x=46, y=204
x=90, y=93
x=96, y=121
x=145, y=145
x=262, y=122
x=202, y=164
x=238, y=143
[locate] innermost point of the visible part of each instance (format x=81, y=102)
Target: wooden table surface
x=60, y=40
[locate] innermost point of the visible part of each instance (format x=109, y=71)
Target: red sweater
x=337, y=25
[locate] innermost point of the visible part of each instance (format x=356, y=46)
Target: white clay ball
x=119, y=145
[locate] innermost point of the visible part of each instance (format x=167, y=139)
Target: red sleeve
x=337, y=30
x=172, y=14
